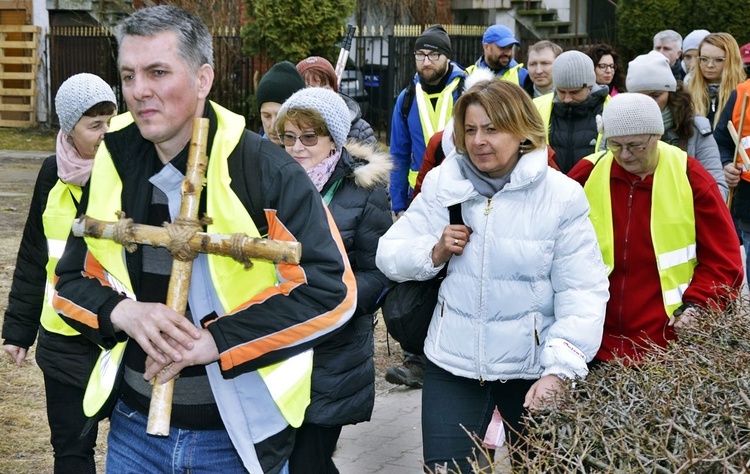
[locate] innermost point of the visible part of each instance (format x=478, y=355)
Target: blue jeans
x=449, y=401
x=131, y=450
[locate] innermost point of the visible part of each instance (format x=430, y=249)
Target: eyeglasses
x=604, y=67
x=630, y=148
x=433, y=56
x=707, y=60
x=307, y=139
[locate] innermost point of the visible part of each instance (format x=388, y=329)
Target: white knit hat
x=573, y=70
x=78, y=94
x=693, y=40
x=650, y=72
x=630, y=113
x=329, y=105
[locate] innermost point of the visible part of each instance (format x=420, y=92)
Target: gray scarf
x=484, y=185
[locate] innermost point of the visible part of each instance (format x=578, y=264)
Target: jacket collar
x=453, y=187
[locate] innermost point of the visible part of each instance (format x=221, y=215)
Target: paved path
x=391, y=443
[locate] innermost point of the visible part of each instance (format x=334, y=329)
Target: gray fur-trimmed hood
x=370, y=166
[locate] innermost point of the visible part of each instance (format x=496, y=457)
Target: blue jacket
x=408, y=145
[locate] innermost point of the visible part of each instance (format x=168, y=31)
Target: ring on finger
x=455, y=241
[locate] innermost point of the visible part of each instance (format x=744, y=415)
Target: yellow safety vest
x=510, y=74
x=544, y=106
x=57, y=219
x=433, y=119
x=672, y=219
x=289, y=381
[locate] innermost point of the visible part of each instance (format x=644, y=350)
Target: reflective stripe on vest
x=433, y=120
x=510, y=75
x=544, y=106
x=672, y=220
x=233, y=284
x=57, y=219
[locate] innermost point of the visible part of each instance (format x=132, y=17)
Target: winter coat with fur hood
x=343, y=383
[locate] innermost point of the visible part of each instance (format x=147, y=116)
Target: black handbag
x=408, y=306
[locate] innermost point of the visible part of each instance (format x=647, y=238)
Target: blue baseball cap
x=500, y=35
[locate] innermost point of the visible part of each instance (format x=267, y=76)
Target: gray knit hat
x=693, y=40
x=329, y=105
x=629, y=113
x=650, y=72
x=78, y=94
x=573, y=70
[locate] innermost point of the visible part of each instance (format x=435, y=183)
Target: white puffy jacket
x=527, y=298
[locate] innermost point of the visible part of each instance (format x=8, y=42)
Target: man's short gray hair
x=670, y=36
x=194, y=42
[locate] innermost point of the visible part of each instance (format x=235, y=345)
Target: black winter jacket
x=67, y=359
x=343, y=383
x=573, y=130
x=360, y=130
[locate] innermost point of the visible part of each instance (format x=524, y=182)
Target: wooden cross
x=185, y=241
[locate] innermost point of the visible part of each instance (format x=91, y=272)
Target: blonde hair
x=302, y=118
x=509, y=108
x=731, y=76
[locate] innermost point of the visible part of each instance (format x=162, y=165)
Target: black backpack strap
x=408, y=100
x=455, y=213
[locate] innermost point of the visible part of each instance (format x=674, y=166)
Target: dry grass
x=37, y=139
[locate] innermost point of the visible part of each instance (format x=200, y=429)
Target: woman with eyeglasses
x=651, y=75
x=665, y=233
x=522, y=305
x=313, y=125
x=607, y=69
x=719, y=70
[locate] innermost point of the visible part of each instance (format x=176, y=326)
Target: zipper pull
x=536, y=336
x=488, y=208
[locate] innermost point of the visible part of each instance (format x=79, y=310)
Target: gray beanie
x=650, y=72
x=573, y=70
x=693, y=40
x=629, y=113
x=78, y=94
x=329, y=105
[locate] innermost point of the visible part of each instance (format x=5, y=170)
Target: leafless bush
x=684, y=409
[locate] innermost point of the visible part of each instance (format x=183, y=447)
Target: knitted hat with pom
x=329, y=105
x=77, y=95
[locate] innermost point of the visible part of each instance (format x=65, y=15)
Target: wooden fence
x=19, y=62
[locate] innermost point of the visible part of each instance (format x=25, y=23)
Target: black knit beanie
x=435, y=38
x=279, y=83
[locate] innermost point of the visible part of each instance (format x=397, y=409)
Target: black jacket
x=67, y=359
x=573, y=129
x=360, y=129
x=343, y=384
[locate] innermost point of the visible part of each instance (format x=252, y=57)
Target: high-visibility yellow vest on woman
x=57, y=219
x=544, y=106
x=288, y=381
x=672, y=219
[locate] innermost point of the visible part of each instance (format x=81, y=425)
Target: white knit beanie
x=329, y=105
x=629, y=113
x=650, y=72
x=78, y=94
x=573, y=70
x=693, y=40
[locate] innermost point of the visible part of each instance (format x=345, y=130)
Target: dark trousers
x=74, y=454
x=313, y=450
x=449, y=401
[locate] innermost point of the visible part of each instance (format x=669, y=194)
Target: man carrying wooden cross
x=259, y=324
